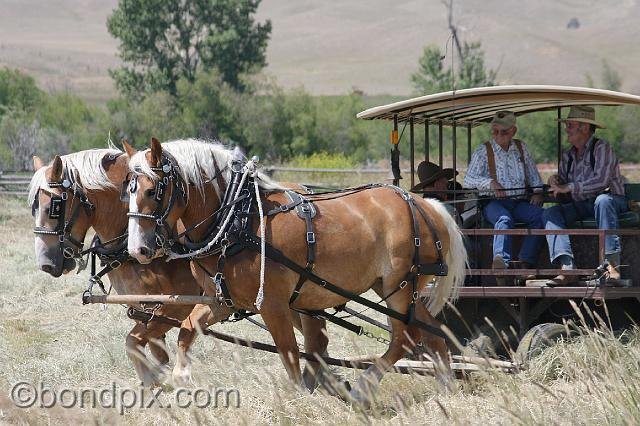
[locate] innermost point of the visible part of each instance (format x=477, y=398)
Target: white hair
x=197, y=161
x=84, y=168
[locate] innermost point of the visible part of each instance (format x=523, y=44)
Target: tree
x=432, y=77
x=162, y=41
x=18, y=91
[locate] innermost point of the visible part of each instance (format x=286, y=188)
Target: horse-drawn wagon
x=533, y=312
x=239, y=242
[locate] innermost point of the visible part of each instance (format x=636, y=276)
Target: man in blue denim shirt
x=590, y=174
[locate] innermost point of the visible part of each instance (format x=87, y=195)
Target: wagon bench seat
x=628, y=219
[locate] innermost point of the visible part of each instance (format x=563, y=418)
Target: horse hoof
x=359, y=399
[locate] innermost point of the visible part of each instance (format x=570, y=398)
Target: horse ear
x=156, y=151
x=37, y=163
x=131, y=151
x=56, y=169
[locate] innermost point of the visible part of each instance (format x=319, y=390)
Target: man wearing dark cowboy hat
x=435, y=182
x=589, y=172
x=503, y=166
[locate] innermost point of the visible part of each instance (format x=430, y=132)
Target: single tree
x=162, y=41
x=469, y=71
x=18, y=91
x=433, y=77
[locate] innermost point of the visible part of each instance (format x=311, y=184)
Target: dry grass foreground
x=46, y=335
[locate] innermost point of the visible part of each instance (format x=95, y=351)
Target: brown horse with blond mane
x=82, y=190
x=371, y=237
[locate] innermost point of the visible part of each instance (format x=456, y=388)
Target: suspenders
x=491, y=160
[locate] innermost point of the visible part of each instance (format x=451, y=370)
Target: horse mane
x=195, y=162
x=84, y=167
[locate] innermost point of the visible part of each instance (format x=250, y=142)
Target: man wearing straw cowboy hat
x=505, y=167
x=589, y=172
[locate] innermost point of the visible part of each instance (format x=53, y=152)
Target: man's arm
x=477, y=175
x=604, y=165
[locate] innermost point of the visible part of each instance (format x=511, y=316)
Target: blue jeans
x=605, y=208
x=501, y=214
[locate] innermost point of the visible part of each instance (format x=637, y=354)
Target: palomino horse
x=378, y=235
x=82, y=190
x=93, y=199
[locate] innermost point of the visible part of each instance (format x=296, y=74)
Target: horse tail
x=446, y=288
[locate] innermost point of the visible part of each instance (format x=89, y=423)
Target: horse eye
x=150, y=192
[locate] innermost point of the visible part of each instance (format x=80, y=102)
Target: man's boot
x=613, y=266
x=564, y=280
x=527, y=265
x=499, y=263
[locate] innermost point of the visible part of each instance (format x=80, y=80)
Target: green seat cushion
x=629, y=219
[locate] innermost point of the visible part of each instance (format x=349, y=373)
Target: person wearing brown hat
x=435, y=182
x=504, y=167
x=590, y=174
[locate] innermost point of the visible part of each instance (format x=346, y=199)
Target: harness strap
x=222, y=290
x=305, y=210
x=335, y=320
x=251, y=241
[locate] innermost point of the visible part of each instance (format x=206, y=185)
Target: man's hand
x=553, y=180
x=498, y=189
x=560, y=189
x=537, y=199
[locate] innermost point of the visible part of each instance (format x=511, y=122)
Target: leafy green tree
x=433, y=77
x=210, y=108
x=18, y=91
x=162, y=41
x=611, y=79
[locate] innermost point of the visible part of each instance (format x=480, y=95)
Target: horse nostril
x=145, y=251
x=47, y=268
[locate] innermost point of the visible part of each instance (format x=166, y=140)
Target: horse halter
x=70, y=247
x=171, y=177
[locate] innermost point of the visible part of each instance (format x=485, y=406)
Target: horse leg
x=280, y=325
x=136, y=341
x=157, y=349
x=199, y=319
x=315, y=342
x=435, y=346
x=401, y=342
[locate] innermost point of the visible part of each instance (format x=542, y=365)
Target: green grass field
x=47, y=336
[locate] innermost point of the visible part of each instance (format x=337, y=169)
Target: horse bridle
x=172, y=177
x=70, y=247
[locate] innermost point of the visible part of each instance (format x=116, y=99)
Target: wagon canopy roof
x=476, y=106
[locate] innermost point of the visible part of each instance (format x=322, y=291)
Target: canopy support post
x=412, y=151
x=440, y=143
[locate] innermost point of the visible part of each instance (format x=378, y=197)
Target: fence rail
x=12, y=183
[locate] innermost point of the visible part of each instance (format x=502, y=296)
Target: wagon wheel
x=538, y=338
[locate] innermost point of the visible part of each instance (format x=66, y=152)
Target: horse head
x=64, y=196
x=182, y=184
x=157, y=199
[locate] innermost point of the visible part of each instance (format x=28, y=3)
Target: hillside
x=332, y=46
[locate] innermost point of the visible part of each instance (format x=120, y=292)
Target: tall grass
x=47, y=335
